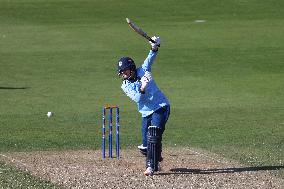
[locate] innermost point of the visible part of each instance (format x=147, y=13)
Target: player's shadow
x=216, y=171
x=12, y=88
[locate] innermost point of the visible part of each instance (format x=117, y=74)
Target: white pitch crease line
x=14, y=160
x=209, y=157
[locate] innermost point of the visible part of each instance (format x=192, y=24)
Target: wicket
x=110, y=120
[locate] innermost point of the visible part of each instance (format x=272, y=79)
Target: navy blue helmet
x=125, y=63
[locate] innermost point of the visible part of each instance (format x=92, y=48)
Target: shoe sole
x=148, y=174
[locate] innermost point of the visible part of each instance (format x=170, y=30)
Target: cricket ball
x=49, y=114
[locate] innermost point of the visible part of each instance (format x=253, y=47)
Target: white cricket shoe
x=149, y=172
x=141, y=147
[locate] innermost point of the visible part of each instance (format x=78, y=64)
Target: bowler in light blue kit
x=139, y=85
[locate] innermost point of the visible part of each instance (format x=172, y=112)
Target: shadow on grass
x=13, y=88
x=225, y=170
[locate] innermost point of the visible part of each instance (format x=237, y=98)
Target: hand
x=145, y=80
x=156, y=44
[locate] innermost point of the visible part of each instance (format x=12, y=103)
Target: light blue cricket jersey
x=153, y=98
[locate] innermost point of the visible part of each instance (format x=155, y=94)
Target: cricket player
x=139, y=85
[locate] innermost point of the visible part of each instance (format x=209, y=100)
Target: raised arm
x=147, y=64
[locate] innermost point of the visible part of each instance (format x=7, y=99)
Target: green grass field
x=224, y=77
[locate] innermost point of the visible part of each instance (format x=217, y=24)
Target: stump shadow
x=221, y=170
